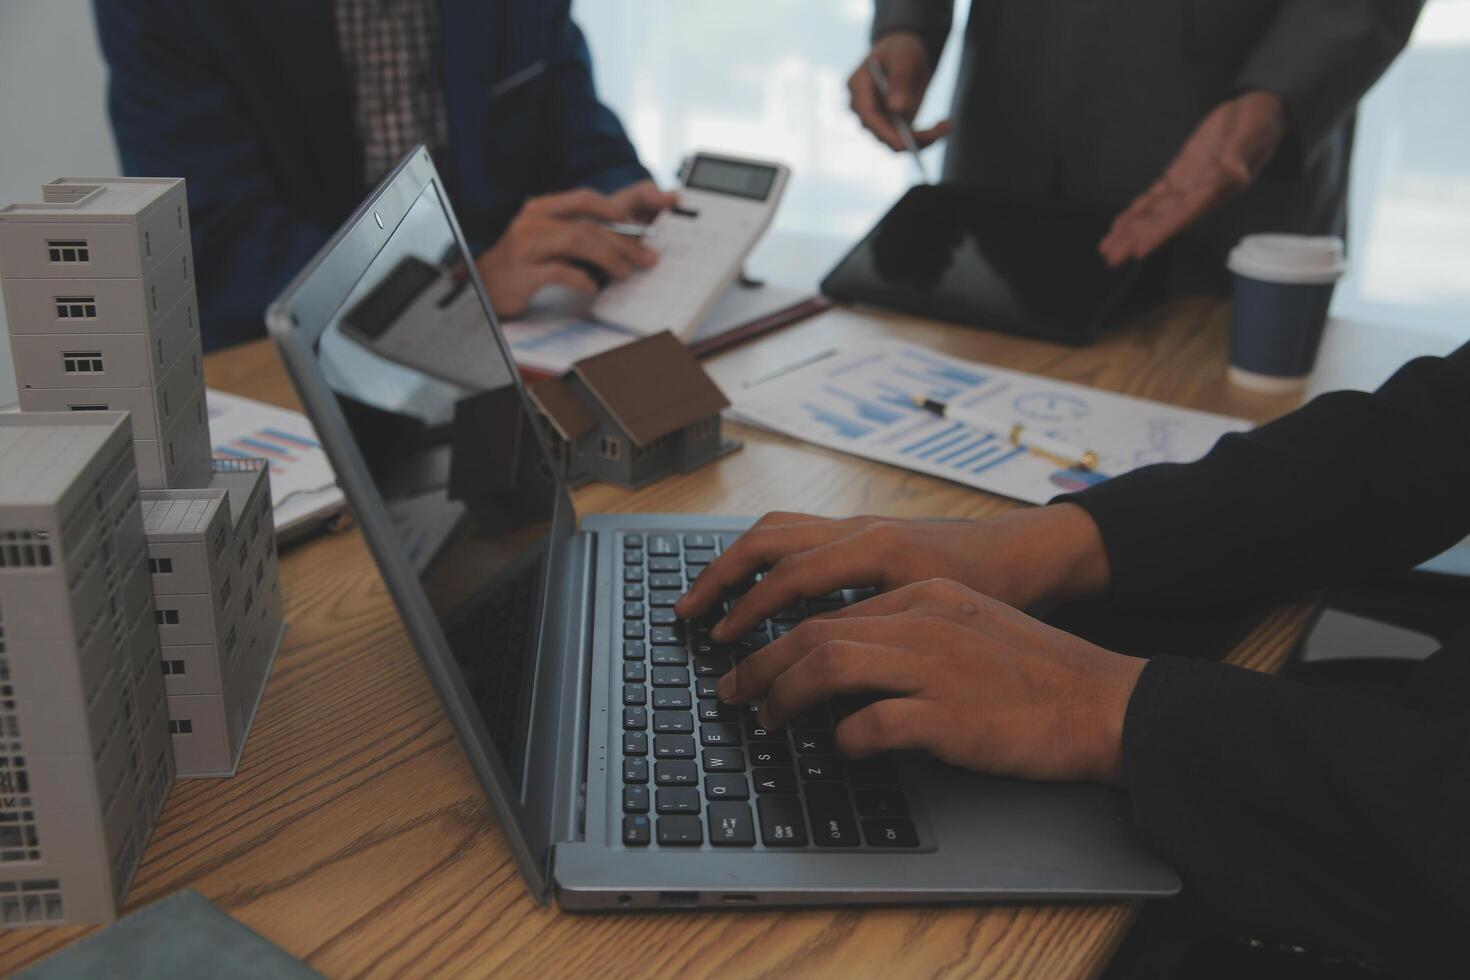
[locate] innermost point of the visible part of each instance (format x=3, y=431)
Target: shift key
x=832, y=820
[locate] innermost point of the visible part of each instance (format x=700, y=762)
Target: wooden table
x=355, y=837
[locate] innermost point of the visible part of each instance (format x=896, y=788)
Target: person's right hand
x=1022, y=558
x=546, y=240
x=905, y=64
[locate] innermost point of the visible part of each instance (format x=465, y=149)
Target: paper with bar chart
x=860, y=401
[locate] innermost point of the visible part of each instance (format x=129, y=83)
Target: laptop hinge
x=569, y=813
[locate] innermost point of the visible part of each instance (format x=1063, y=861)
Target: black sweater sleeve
x=1350, y=485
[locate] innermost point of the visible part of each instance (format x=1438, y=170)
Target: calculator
x=725, y=203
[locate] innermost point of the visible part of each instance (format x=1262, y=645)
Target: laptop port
x=738, y=899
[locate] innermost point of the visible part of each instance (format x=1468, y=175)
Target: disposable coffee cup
x=1283, y=287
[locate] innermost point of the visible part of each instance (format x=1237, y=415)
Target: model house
x=99, y=295
x=85, y=763
x=633, y=414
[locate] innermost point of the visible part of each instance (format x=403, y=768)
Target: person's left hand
x=1225, y=153
x=967, y=678
x=643, y=201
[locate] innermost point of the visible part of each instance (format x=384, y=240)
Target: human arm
x=907, y=38
x=173, y=114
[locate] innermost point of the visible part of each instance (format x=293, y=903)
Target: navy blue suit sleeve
x=591, y=148
x=174, y=116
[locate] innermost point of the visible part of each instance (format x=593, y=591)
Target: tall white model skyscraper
x=99, y=293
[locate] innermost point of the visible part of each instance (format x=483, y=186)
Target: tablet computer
x=1023, y=265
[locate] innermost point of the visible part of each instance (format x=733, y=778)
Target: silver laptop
x=587, y=714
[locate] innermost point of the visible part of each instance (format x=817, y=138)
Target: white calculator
x=725, y=204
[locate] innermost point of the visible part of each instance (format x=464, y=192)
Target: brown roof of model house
x=652, y=387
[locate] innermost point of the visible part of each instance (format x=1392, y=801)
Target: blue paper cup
x=1283, y=287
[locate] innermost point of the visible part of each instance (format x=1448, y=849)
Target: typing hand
x=905, y=63
x=1022, y=557
x=971, y=680
x=1225, y=153
x=551, y=241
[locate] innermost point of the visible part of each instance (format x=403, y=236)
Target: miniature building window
x=254, y=526
x=76, y=307
x=161, y=566
x=182, y=726
x=184, y=261
x=90, y=407
x=24, y=549
x=249, y=600
x=173, y=667
x=610, y=447
x=704, y=429
x=159, y=345
x=230, y=644
x=153, y=297
x=18, y=841
x=220, y=540
x=166, y=617
x=68, y=250
x=179, y=216
x=36, y=900
x=147, y=245
x=244, y=555
x=81, y=361
x=224, y=594
x=259, y=571
x=189, y=315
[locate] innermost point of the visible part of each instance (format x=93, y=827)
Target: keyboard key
x=890, y=832
x=671, y=697
x=791, y=614
x=670, y=657
x=632, y=541
x=633, y=557
x=726, y=786
x=705, y=687
x=680, y=830
x=663, y=581
x=634, y=672
x=711, y=665
x=634, y=650
x=712, y=710
x=750, y=643
x=635, y=770
x=635, y=694
x=633, y=573
x=664, y=598
x=635, y=743
x=814, y=743
x=781, y=821
x=672, y=635
x=671, y=677
x=662, y=544
x=680, y=800
x=673, y=722
x=754, y=730
x=698, y=556
x=675, y=772
x=880, y=801
x=635, y=799
x=779, y=630
x=774, y=780
x=730, y=824
x=724, y=760
x=665, y=565
x=635, y=719
x=698, y=541
x=817, y=767
x=832, y=821
x=633, y=592
x=633, y=630
x=673, y=746
x=635, y=830
x=769, y=753
x=662, y=617
x=719, y=735
x=632, y=610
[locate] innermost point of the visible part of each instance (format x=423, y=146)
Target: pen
x=899, y=122
x=626, y=228
x=1016, y=433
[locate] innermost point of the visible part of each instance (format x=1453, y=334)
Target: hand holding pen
x=886, y=90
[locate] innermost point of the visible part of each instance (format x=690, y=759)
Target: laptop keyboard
x=695, y=769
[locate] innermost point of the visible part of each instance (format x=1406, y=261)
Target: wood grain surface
x=354, y=835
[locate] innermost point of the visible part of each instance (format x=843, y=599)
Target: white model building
x=84, y=746
x=99, y=293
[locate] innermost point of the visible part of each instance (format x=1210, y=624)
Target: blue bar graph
x=841, y=424
x=865, y=409
x=944, y=370
x=929, y=439
x=899, y=398
x=966, y=448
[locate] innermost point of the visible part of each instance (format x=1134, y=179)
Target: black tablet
x=1022, y=265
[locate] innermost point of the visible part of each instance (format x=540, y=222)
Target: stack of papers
x=860, y=401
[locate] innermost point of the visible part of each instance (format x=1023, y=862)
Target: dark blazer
x=251, y=103
x=1091, y=100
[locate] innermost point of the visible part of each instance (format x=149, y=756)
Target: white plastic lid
x=1298, y=259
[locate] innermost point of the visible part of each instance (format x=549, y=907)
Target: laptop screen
x=434, y=410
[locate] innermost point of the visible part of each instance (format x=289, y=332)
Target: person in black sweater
x=1303, y=815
